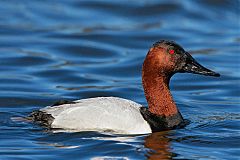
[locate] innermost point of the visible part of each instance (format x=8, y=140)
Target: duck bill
x=192, y=66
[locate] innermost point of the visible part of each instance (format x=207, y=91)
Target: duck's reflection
x=159, y=146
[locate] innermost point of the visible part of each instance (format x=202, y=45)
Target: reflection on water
x=52, y=50
x=159, y=145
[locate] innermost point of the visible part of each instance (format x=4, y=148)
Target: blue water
x=69, y=49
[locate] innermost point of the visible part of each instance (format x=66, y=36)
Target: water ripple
x=51, y=50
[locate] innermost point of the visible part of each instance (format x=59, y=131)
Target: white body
x=100, y=114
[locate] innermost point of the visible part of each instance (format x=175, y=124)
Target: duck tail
x=41, y=117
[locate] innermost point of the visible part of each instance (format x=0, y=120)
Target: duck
x=123, y=116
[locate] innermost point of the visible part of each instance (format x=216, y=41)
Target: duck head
x=168, y=58
x=163, y=60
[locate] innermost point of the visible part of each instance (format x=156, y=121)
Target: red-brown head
x=167, y=57
x=163, y=60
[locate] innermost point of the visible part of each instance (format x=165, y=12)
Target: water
x=52, y=50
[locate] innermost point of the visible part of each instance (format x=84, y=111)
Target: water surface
x=69, y=49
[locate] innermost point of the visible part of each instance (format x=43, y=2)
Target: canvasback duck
x=122, y=116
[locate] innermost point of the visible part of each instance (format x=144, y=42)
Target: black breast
x=161, y=123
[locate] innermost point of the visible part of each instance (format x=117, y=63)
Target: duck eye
x=171, y=51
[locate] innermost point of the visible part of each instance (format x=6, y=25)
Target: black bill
x=192, y=66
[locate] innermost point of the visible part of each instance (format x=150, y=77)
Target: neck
x=159, y=98
x=156, y=86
